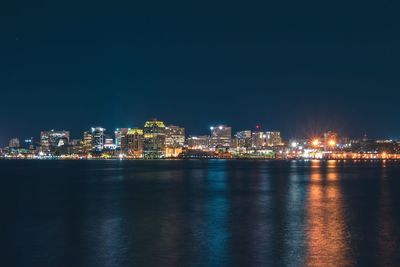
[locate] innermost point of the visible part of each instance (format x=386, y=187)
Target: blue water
x=199, y=213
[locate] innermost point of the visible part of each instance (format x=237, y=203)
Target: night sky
x=290, y=66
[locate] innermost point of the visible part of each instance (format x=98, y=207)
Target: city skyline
x=306, y=134
x=157, y=139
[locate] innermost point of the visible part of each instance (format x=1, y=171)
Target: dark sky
x=292, y=66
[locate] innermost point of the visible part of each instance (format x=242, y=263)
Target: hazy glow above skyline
x=292, y=67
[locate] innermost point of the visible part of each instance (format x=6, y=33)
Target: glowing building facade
x=87, y=141
x=243, y=139
x=273, y=138
x=49, y=140
x=98, y=138
x=134, y=143
x=221, y=136
x=154, y=139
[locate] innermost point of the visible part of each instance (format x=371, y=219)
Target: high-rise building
x=174, y=141
x=221, y=136
x=258, y=140
x=199, y=142
x=243, y=139
x=98, y=138
x=154, y=139
x=14, y=143
x=49, y=140
x=118, y=136
x=134, y=141
x=174, y=136
x=120, y=139
x=273, y=138
x=87, y=142
x=109, y=143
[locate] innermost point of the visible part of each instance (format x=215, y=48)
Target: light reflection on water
x=200, y=213
x=327, y=244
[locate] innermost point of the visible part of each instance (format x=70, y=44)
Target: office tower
x=273, y=138
x=174, y=140
x=120, y=139
x=243, y=139
x=14, y=143
x=154, y=139
x=199, y=142
x=109, y=143
x=98, y=138
x=87, y=142
x=258, y=140
x=118, y=136
x=221, y=136
x=134, y=141
x=174, y=136
x=49, y=140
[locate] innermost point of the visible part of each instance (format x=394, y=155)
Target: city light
x=315, y=142
x=156, y=140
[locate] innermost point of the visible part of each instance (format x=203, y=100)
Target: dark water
x=199, y=213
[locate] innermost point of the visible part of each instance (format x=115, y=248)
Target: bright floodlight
x=315, y=142
x=294, y=144
x=332, y=143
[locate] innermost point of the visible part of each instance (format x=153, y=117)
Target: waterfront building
x=243, y=139
x=50, y=140
x=258, y=140
x=221, y=136
x=134, y=142
x=121, y=139
x=154, y=139
x=98, y=138
x=109, y=144
x=273, y=138
x=200, y=142
x=174, y=136
x=174, y=140
x=117, y=137
x=87, y=142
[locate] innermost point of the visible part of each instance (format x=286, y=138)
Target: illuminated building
x=221, y=136
x=154, y=139
x=118, y=136
x=120, y=139
x=134, y=141
x=174, y=140
x=87, y=142
x=199, y=142
x=243, y=139
x=258, y=140
x=98, y=138
x=273, y=138
x=174, y=136
x=109, y=144
x=14, y=143
x=49, y=140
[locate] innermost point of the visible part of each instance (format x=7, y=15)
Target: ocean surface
x=199, y=213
